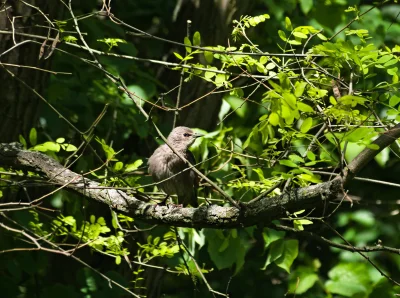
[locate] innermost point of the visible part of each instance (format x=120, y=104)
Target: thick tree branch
x=362, y=159
x=260, y=212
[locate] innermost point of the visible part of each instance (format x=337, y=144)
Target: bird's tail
x=192, y=200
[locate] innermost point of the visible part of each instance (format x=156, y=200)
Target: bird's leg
x=163, y=201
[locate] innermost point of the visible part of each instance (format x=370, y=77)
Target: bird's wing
x=193, y=175
x=195, y=179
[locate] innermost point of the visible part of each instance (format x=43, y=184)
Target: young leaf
x=273, y=119
x=288, y=24
x=178, y=56
x=282, y=35
x=306, y=125
x=23, y=141
x=304, y=107
x=133, y=166
x=187, y=42
x=300, y=35
x=288, y=163
x=310, y=155
x=196, y=39
x=33, y=136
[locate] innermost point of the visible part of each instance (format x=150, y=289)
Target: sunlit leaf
x=33, y=136
x=306, y=125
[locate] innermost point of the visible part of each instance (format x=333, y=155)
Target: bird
x=164, y=163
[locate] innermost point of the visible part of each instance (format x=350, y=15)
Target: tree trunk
x=213, y=19
x=19, y=105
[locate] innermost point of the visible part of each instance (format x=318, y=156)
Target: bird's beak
x=197, y=135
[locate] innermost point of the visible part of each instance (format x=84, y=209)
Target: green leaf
x=305, y=221
x=224, y=245
x=101, y=221
x=310, y=177
x=273, y=119
x=299, y=212
x=290, y=252
x=209, y=56
x=288, y=163
x=352, y=100
x=234, y=253
x=322, y=37
x=133, y=166
x=394, y=100
x=220, y=78
x=310, y=155
x=69, y=147
x=187, y=42
x=143, y=91
x=294, y=42
x=33, y=136
x=348, y=279
x=70, y=39
x=270, y=66
x=288, y=24
x=393, y=71
x=299, y=88
x=178, y=56
x=118, y=260
x=306, y=5
x=271, y=236
x=275, y=252
x=282, y=35
x=372, y=146
x=364, y=217
x=383, y=157
x=111, y=42
x=290, y=99
x=237, y=104
x=296, y=158
x=118, y=166
x=332, y=100
x=304, y=107
x=108, y=150
x=60, y=140
x=300, y=35
x=384, y=59
x=306, y=125
x=390, y=62
x=382, y=288
x=353, y=149
x=360, y=134
x=23, y=141
x=263, y=59
x=196, y=39
x=302, y=280
x=260, y=173
x=48, y=146
x=209, y=75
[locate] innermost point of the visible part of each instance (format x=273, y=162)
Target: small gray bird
x=164, y=163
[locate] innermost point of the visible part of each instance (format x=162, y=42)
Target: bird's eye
x=186, y=135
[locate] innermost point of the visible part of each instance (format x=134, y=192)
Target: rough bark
x=257, y=212
x=19, y=106
x=260, y=212
x=213, y=19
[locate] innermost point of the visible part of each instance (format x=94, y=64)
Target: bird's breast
x=168, y=169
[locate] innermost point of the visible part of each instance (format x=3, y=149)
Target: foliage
x=329, y=91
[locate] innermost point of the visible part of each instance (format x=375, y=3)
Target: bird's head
x=182, y=137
